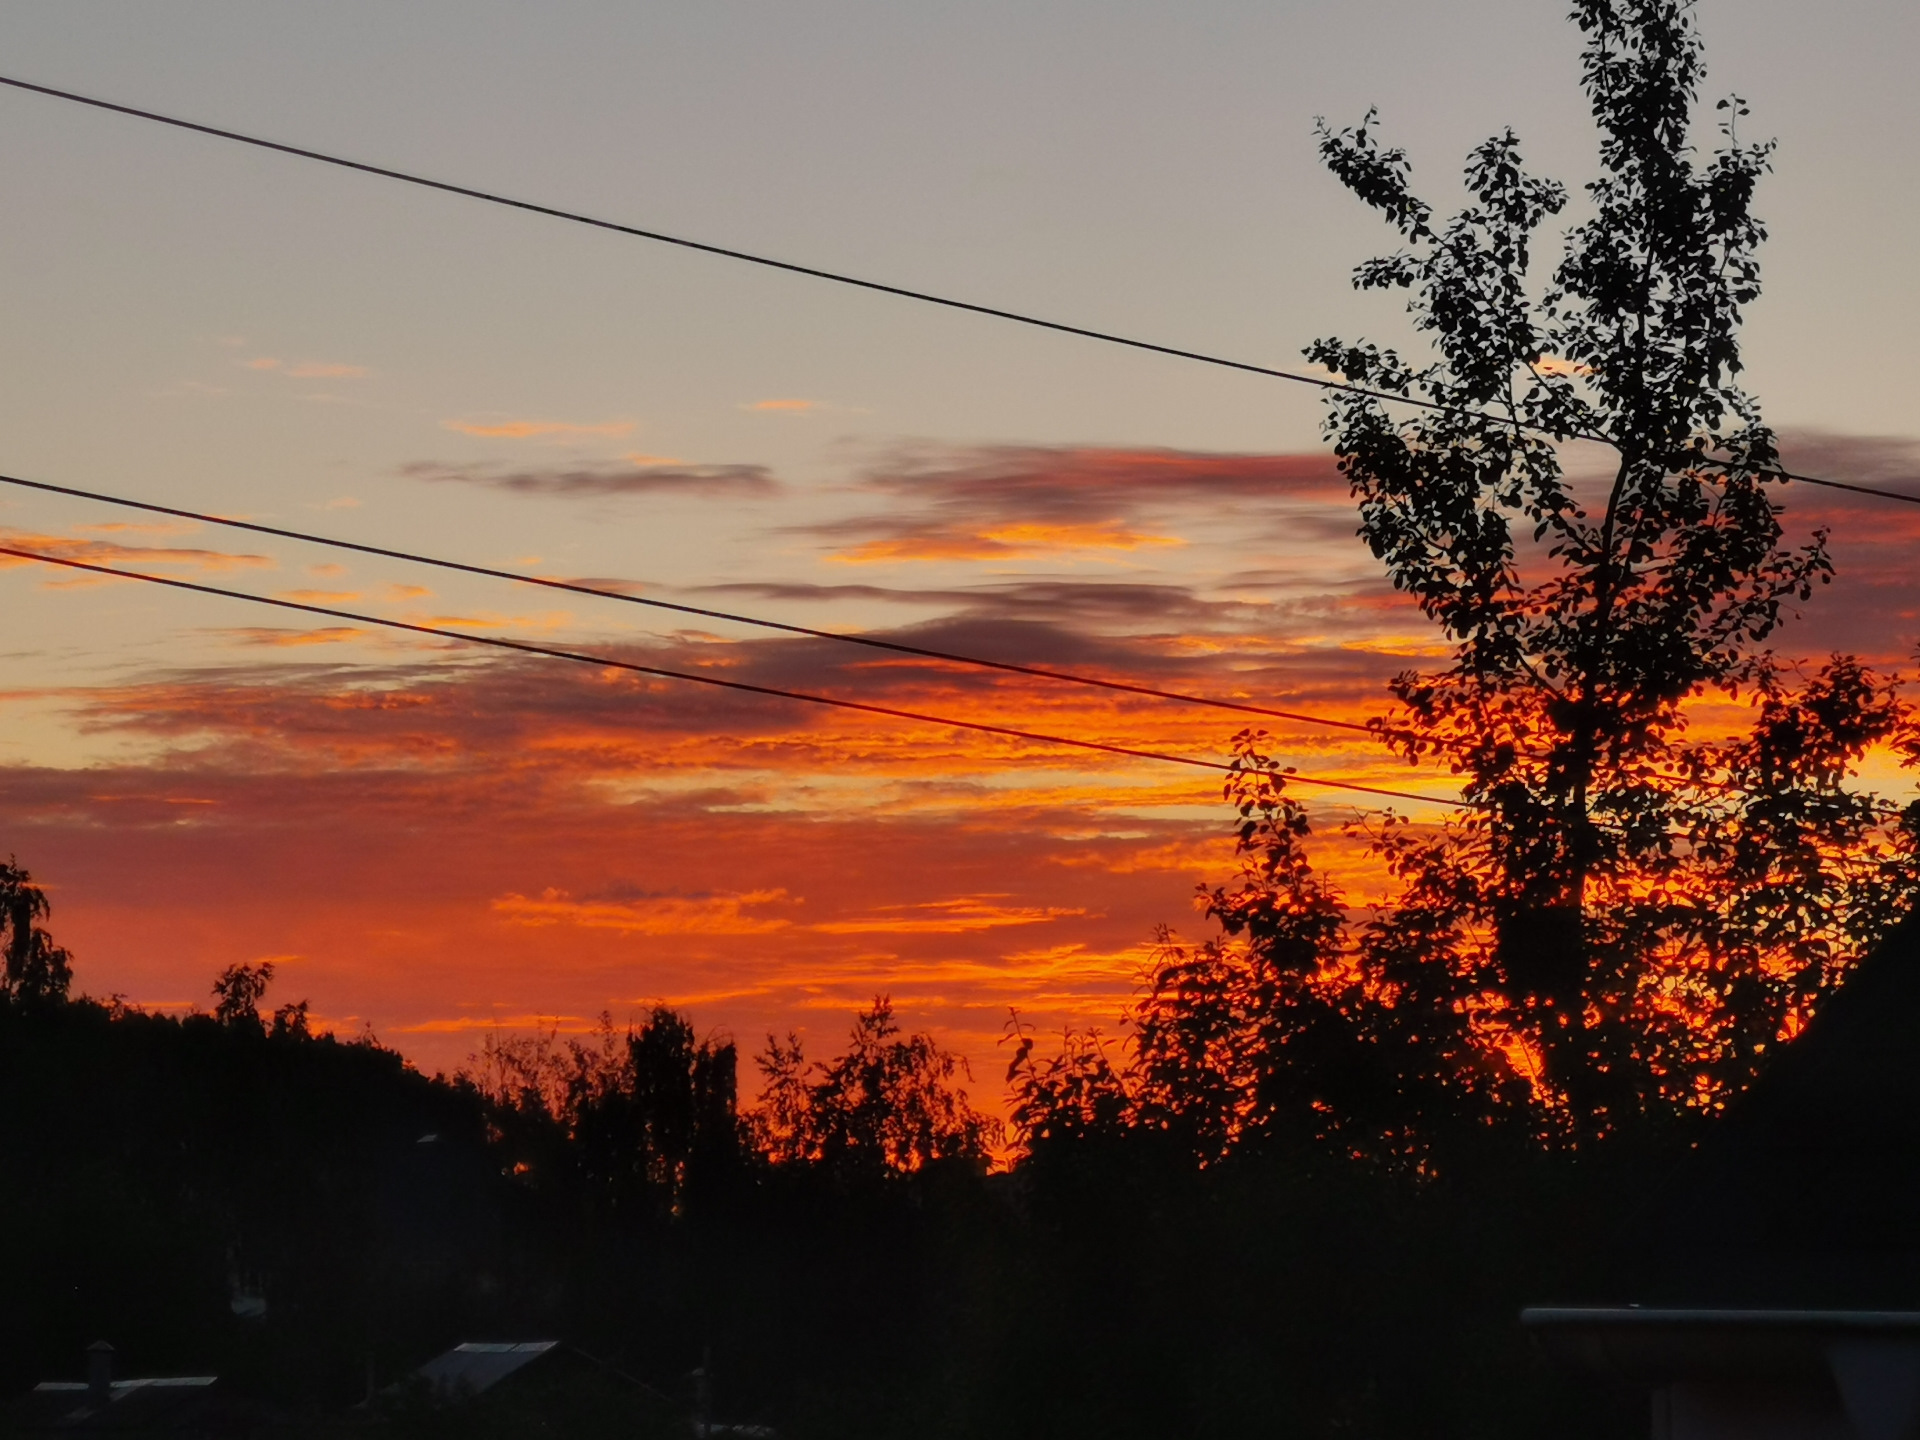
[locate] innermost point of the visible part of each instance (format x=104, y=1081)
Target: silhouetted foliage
x=180, y=1176
x=167, y=1178
x=642, y=1119
x=1622, y=920
x=886, y=1106
x=237, y=993
x=37, y=971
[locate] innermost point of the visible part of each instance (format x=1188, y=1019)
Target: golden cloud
x=1002, y=542
x=722, y=914
x=292, y=639
x=946, y=917
x=464, y=1024
x=320, y=597
x=105, y=552
x=130, y=527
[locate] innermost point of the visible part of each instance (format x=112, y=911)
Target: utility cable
x=576, y=588
x=724, y=252
x=840, y=278
x=1379, y=731
x=1824, y=484
x=606, y=662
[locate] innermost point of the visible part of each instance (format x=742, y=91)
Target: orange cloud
x=293, y=639
x=649, y=915
x=946, y=917
x=534, y=429
x=429, y=794
x=787, y=407
x=1003, y=542
x=465, y=1024
x=103, y=552
x=494, y=620
x=523, y=840
x=128, y=527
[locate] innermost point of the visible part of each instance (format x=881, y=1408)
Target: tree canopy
x=1631, y=907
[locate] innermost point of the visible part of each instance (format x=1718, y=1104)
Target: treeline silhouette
x=309, y=1217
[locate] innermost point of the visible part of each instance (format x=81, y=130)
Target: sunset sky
x=434, y=840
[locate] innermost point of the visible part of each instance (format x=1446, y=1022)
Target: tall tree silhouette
x=1596, y=914
x=1624, y=918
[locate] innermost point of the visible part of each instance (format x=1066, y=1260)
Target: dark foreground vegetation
x=311, y=1219
x=845, y=1266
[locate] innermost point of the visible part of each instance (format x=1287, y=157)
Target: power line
x=1830, y=484
x=724, y=252
x=879, y=287
x=606, y=662
x=1374, y=732
x=1377, y=732
x=575, y=588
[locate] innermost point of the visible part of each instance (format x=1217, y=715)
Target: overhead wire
x=704, y=247
x=608, y=662
x=859, y=282
x=1378, y=731
x=575, y=587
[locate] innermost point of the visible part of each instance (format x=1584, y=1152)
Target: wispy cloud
x=783, y=407
x=589, y=482
x=104, y=552
x=1004, y=502
x=294, y=639
x=998, y=542
x=721, y=914
x=134, y=527
x=947, y=917
x=320, y=597
x=467, y=1024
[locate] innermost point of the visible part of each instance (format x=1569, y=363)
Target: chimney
x=99, y=1374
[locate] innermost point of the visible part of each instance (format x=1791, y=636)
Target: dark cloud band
x=591, y=482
